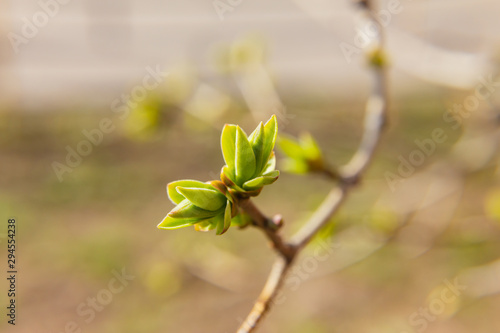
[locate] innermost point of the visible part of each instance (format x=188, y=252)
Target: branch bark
x=348, y=177
x=267, y=295
x=270, y=229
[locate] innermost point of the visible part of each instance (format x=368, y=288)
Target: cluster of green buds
x=250, y=164
x=303, y=155
x=250, y=161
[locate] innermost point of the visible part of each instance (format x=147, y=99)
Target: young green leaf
x=270, y=133
x=208, y=224
x=227, y=180
x=261, y=181
x=203, y=226
x=204, y=198
x=187, y=210
x=224, y=224
x=245, y=158
x=170, y=223
x=257, y=142
x=175, y=196
x=228, y=145
x=273, y=174
x=271, y=164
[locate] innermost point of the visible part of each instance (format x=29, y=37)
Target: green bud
x=186, y=209
x=259, y=182
x=310, y=147
x=303, y=154
x=225, y=223
x=211, y=200
x=175, y=196
x=228, y=145
x=257, y=141
x=244, y=159
x=170, y=223
x=250, y=164
x=200, y=204
x=249, y=158
x=291, y=147
x=207, y=225
x=295, y=166
x=270, y=135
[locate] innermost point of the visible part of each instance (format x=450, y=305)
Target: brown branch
x=330, y=173
x=269, y=227
x=320, y=217
x=348, y=176
x=267, y=296
x=375, y=121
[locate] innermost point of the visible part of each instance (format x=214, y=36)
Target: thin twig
x=350, y=174
x=330, y=173
x=264, y=223
x=267, y=296
x=348, y=177
x=321, y=216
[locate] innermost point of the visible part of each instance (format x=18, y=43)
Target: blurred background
x=102, y=103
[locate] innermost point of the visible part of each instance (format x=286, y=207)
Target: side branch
x=351, y=173
x=348, y=177
x=376, y=114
